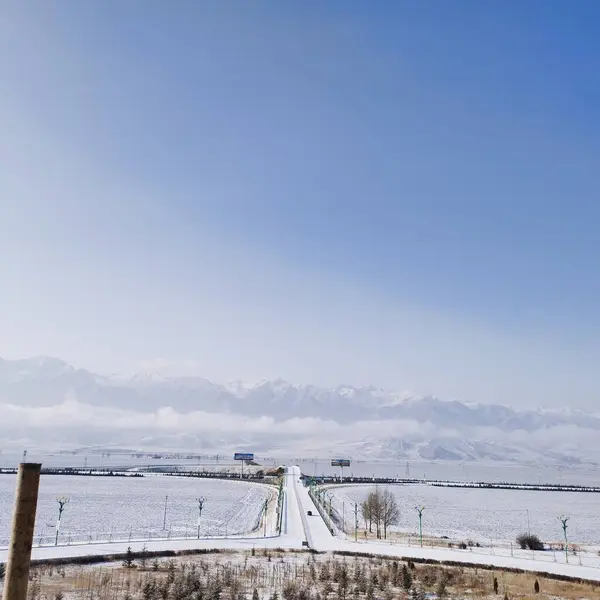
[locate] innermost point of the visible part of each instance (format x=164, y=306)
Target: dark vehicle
x=310, y=513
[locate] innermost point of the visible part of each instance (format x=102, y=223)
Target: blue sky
x=402, y=194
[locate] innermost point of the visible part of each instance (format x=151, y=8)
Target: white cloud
x=75, y=423
x=78, y=417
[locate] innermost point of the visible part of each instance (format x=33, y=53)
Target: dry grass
x=291, y=576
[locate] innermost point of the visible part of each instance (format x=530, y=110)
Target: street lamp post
x=62, y=502
x=564, y=520
x=266, y=506
x=420, y=510
x=200, y=507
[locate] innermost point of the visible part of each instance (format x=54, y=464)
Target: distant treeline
x=74, y=471
x=542, y=487
x=217, y=475
x=258, y=476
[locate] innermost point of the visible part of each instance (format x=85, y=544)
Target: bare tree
x=377, y=508
x=367, y=513
x=371, y=511
x=390, y=512
x=380, y=508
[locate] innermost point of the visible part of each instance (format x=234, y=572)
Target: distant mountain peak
x=374, y=421
x=43, y=362
x=36, y=366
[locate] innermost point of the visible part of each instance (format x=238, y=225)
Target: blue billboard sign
x=243, y=456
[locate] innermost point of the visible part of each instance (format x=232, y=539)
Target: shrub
x=406, y=578
x=440, y=591
x=429, y=575
x=144, y=557
x=529, y=541
x=128, y=560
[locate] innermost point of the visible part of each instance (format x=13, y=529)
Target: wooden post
x=19, y=552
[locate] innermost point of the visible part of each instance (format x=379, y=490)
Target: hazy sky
x=399, y=193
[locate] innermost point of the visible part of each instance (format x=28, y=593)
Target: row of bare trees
x=380, y=509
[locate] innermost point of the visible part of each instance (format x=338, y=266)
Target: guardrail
x=323, y=512
x=280, y=498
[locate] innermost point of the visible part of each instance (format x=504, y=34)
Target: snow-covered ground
x=586, y=567
x=487, y=516
x=495, y=472
x=298, y=527
x=104, y=508
x=467, y=471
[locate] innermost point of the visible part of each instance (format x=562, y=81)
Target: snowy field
x=127, y=461
x=418, y=469
x=466, y=472
x=134, y=507
x=297, y=527
x=485, y=515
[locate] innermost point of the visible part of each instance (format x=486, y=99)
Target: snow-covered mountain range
x=48, y=401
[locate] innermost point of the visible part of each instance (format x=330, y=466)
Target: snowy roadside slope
x=103, y=549
x=463, y=556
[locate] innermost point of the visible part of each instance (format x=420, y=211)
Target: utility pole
x=265, y=517
x=61, y=507
x=356, y=521
x=23, y=522
x=420, y=510
x=165, y=513
x=564, y=520
x=200, y=507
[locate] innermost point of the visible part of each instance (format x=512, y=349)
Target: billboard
x=340, y=462
x=243, y=456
